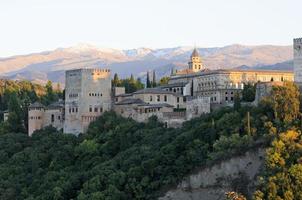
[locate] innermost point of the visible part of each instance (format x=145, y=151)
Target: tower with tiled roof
x=195, y=64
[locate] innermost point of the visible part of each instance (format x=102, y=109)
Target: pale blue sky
x=37, y=25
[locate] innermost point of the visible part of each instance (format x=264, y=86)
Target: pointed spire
x=195, y=53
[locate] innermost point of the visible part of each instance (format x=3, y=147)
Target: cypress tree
x=116, y=80
x=148, y=83
x=154, y=79
x=237, y=103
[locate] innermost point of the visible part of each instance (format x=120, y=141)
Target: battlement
x=96, y=73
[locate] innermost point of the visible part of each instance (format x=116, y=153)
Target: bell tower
x=195, y=63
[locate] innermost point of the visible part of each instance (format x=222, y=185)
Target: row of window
x=207, y=84
x=95, y=94
x=35, y=117
x=53, y=118
x=98, y=73
x=158, y=98
x=88, y=118
x=149, y=110
x=73, y=110
x=227, y=98
x=73, y=95
x=73, y=74
x=96, y=109
x=175, y=90
x=36, y=109
x=208, y=93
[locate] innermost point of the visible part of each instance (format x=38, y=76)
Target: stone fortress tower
x=40, y=116
x=298, y=60
x=195, y=63
x=87, y=96
x=35, y=117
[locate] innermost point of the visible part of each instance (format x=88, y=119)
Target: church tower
x=195, y=63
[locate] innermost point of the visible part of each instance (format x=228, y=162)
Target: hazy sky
x=37, y=25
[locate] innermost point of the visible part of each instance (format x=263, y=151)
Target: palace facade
x=189, y=93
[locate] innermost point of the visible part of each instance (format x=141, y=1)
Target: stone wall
x=213, y=182
x=298, y=60
x=87, y=96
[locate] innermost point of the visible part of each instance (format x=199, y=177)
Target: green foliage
x=154, y=84
x=51, y=95
x=119, y=158
x=16, y=96
x=237, y=103
x=283, y=175
x=148, y=81
x=130, y=84
x=249, y=92
x=284, y=102
x=164, y=80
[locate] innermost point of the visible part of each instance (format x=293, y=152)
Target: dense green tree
x=249, y=92
x=148, y=82
x=51, y=95
x=154, y=79
x=237, y=102
x=130, y=84
x=283, y=174
x=15, y=117
x=284, y=102
x=164, y=80
x=116, y=80
x=119, y=158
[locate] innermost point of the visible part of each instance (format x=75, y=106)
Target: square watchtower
x=87, y=96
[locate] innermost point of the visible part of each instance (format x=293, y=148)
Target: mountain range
x=50, y=65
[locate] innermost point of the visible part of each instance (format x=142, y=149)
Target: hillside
x=122, y=159
x=52, y=64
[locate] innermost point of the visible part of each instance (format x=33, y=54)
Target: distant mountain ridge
x=51, y=65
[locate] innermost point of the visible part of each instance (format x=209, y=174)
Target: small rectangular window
x=90, y=109
x=52, y=118
x=96, y=109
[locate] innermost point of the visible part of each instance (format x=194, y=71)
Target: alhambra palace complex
x=190, y=93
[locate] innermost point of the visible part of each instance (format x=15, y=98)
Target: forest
x=119, y=158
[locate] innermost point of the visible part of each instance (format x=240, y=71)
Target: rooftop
x=157, y=90
x=171, y=85
x=130, y=101
x=56, y=105
x=226, y=71
x=36, y=105
x=195, y=53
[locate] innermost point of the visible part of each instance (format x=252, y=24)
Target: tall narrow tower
x=298, y=60
x=195, y=63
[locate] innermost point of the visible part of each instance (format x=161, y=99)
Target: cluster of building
x=189, y=93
